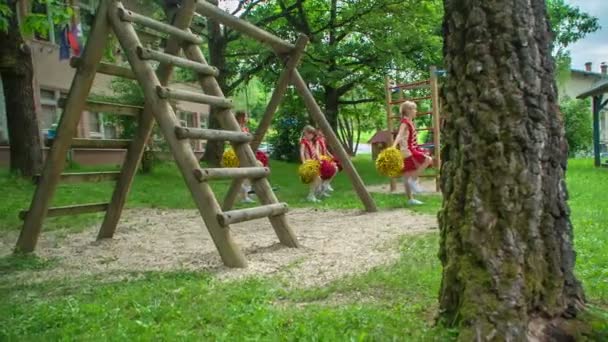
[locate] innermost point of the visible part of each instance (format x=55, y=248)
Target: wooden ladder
x=112, y=16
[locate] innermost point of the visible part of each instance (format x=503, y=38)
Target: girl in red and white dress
x=242, y=118
x=415, y=159
x=308, y=151
x=322, y=150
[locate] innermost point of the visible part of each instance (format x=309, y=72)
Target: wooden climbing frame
x=112, y=17
x=431, y=88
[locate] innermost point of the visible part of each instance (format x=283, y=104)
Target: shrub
x=578, y=124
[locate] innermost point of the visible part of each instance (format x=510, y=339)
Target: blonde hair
x=405, y=106
x=307, y=129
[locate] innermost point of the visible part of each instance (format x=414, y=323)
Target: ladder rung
x=234, y=216
x=413, y=85
x=107, y=107
x=203, y=69
x=98, y=143
x=414, y=99
x=178, y=94
x=127, y=15
x=203, y=175
x=212, y=134
x=107, y=69
x=71, y=210
x=83, y=177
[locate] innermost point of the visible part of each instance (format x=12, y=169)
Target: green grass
x=396, y=302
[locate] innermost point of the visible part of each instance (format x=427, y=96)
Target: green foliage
x=288, y=124
x=578, y=124
x=5, y=14
x=39, y=23
x=569, y=24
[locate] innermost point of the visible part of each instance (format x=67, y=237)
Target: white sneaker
x=324, y=194
x=414, y=186
x=414, y=202
x=329, y=188
x=248, y=200
x=312, y=198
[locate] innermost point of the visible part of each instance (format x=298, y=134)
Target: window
x=187, y=119
x=48, y=116
x=95, y=125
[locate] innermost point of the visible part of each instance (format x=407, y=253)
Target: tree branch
x=353, y=102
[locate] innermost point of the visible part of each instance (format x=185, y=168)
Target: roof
x=598, y=88
x=587, y=73
x=380, y=137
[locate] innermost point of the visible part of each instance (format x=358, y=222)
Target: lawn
x=396, y=302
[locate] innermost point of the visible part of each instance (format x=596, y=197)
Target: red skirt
x=414, y=161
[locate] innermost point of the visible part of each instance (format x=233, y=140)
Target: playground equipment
x=113, y=17
x=430, y=92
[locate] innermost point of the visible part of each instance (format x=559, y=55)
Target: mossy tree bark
x=17, y=69
x=506, y=237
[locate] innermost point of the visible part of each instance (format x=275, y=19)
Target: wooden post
x=181, y=149
x=436, y=126
x=334, y=143
x=275, y=100
x=55, y=163
x=389, y=121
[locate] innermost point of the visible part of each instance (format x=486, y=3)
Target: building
x=53, y=78
x=581, y=82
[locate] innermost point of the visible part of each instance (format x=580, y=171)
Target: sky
x=594, y=47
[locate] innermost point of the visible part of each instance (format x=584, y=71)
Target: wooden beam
x=137, y=18
x=235, y=216
x=85, y=177
x=412, y=85
x=207, y=70
x=278, y=94
x=56, y=158
x=413, y=99
x=106, y=69
x=389, y=122
x=167, y=120
x=437, y=125
x=212, y=134
x=184, y=95
x=334, y=143
x=252, y=172
x=107, y=107
x=215, y=13
x=70, y=210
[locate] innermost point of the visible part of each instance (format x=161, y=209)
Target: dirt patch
x=334, y=244
x=427, y=185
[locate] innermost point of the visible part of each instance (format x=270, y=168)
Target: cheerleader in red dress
x=322, y=150
x=308, y=151
x=415, y=159
x=242, y=118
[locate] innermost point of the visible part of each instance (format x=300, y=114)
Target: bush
x=578, y=124
x=286, y=141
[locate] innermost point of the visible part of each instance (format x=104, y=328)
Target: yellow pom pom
x=309, y=171
x=390, y=162
x=229, y=159
x=326, y=157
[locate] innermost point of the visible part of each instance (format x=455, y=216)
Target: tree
x=506, y=236
x=578, y=124
x=17, y=69
x=353, y=45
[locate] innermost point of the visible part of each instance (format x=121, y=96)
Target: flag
x=64, y=45
x=73, y=38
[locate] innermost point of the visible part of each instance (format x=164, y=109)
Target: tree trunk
x=332, y=106
x=17, y=71
x=217, y=58
x=506, y=237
